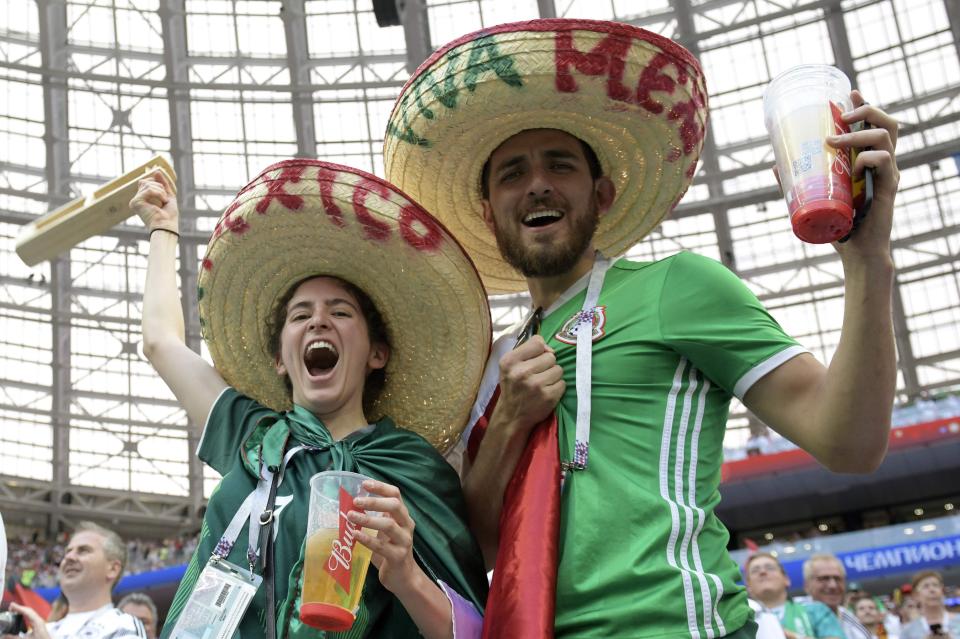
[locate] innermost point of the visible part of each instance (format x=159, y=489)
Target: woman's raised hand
x=156, y=204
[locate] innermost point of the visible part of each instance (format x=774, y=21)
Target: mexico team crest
x=568, y=332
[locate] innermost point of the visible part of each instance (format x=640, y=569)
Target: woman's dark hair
x=376, y=331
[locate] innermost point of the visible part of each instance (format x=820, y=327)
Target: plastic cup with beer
x=335, y=564
x=802, y=106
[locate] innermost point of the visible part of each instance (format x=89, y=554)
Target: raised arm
x=841, y=414
x=531, y=384
x=195, y=382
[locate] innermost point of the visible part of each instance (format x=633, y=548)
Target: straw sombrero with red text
x=637, y=98
x=302, y=218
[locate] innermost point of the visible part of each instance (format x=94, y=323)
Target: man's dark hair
x=592, y=161
x=376, y=331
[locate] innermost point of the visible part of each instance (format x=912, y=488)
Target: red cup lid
x=822, y=221
x=326, y=617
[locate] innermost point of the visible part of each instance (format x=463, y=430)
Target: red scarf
x=522, y=596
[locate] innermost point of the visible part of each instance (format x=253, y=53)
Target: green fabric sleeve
x=232, y=417
x=708, y=315
x=824, y=622
x=430, y=487
x=443, y=544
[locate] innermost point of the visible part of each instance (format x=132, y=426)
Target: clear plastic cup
x=802, y=106
x=335, y=564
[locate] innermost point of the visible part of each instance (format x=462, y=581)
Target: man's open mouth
x=536, y=219
x=320, y=356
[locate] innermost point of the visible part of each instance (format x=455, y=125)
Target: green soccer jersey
x=240, y=432
x=642, y=553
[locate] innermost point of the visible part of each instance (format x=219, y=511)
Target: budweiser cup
x=335, y=564
x=802, y=106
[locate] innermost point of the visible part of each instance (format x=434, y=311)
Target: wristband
x=152, y=231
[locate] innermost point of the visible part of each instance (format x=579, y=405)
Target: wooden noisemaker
x=63, y=228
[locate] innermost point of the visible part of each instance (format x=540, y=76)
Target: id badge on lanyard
x=223, y=591
x=219, y=600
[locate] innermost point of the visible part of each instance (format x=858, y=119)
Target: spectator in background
x=33, y=562
x=825, y=580
x=767, y=584
x=870, y=616
x=891, y=618
x=908, y=610
x=933, y=620
x=91, y=567
x=141, y=606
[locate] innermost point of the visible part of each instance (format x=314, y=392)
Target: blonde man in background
x=91, y=566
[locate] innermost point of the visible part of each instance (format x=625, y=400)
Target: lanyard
x=584, y=380
x=254, y=508
x=583, y=325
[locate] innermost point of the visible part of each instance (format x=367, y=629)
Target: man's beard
x=547, y=260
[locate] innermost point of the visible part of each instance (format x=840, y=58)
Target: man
x=92, y=565
x=141, y=606
x=869, y=615
x=825, y=580
x=768, y=583
x=559, y=138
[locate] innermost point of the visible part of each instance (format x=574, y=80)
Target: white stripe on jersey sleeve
x=756, y=373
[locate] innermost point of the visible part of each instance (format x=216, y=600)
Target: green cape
x=443, y=545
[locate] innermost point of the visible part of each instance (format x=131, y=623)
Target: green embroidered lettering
x=403, y=131
x=484, y=58
x=447, y=94
x=417, y=90
x=406, y=134
x=500, y=63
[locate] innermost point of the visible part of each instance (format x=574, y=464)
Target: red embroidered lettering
x=411, y=217
x=237, y=225
x=608, y=57
x=653, y=80
x=275, y=190
x=373, y=228
x=326, y=177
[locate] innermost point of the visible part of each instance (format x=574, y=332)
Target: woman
x=934, y=620
x=328, y=301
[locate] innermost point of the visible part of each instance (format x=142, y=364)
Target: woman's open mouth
x=320, y=357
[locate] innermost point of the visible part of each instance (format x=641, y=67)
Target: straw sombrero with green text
x=301, y=218
x=637, y=98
